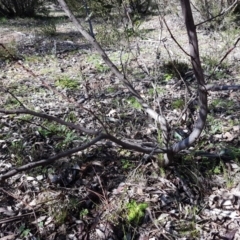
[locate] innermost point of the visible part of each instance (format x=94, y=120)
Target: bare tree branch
x=50, y=118
x=50, y=160
x=163, y=122
x=174, y=39
x=225, y=55
x=223, y=12
x=101, y=136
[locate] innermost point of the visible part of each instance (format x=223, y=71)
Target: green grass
x=222, y=103
x=97, y=63
x=66, y=82
x=133, y=102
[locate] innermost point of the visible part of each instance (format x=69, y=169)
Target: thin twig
x=223, y=12
x=225, y=55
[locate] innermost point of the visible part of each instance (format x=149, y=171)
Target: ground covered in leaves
x=106, y=192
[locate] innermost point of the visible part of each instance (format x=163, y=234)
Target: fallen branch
x=49, y=160
x=215, y=87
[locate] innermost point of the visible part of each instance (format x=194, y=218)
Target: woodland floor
x=106, y=192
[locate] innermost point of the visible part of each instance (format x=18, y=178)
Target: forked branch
x=163, y=123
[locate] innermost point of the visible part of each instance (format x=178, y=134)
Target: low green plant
x=51, y=129
x=72, y=117
x=84, y=212
x=126, y=164
x=214, y=125
x=135, y=212
x=222, y=103
x=132, y=101
x=178, y=104
x=66, y=82
x=11, y=103
x=134, y=29
x=97, y=62
x=111, y=89
x=69, y=138
x=217, y=169
x=168, y=76
x=3, y=20
x=24, y=231
x=124, y=153
x=188, y=229
x=229, y=151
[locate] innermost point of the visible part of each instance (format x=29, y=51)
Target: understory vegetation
x=119, y=119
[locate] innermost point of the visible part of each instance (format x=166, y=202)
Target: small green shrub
x=222, y=103
x=135, y=212
x=156, y=90
x=83, y=212
x=126, y=164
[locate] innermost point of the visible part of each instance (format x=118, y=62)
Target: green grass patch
x=133, y=102
x=66, y=82
x=178, y=104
